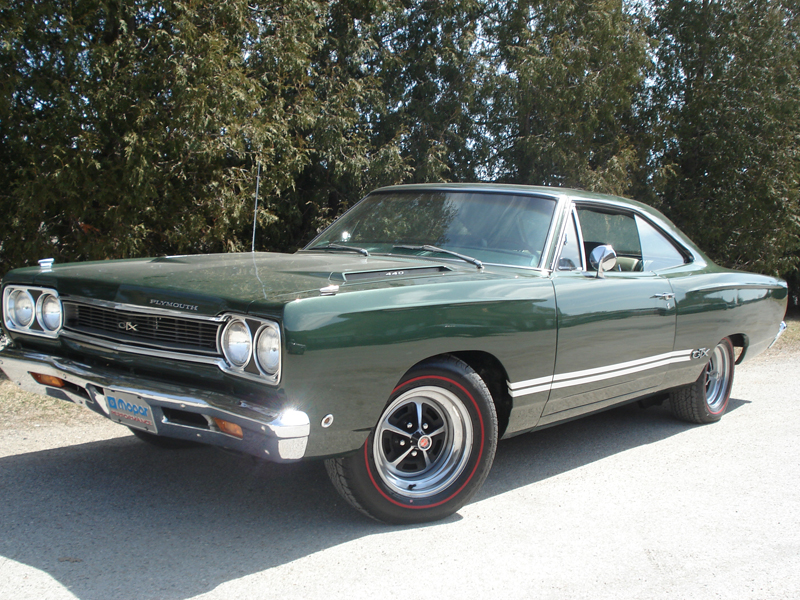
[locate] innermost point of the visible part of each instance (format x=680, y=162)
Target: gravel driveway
x=625, y=504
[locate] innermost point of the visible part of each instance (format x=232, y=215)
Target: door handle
x=665, y=296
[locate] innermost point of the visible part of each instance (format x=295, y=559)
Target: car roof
x=506, y=188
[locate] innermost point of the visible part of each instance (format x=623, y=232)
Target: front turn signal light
x=229, y=428
x=48, y=380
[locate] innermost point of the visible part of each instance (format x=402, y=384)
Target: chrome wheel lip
x=455, y=434
x=717, y=376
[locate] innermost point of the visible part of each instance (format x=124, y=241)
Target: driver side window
x=638, y=244
x=617, y=229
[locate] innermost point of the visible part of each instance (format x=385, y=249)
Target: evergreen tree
x=136, y=127
x=564, y=78
x=726, y=111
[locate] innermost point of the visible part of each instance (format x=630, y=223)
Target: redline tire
x=706, y=400
x=430, y=451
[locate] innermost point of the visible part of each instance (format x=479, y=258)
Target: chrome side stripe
x=562, y=380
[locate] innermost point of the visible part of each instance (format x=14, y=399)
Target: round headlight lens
x=22, y=308
x=237, y=343
x=51, y=313
x=268, y=350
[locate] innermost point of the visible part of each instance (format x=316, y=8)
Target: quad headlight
x=237, y=343
x=253, y=355
x=268, y=349
x=49, y=312
x=20, y=308
x=32, y=310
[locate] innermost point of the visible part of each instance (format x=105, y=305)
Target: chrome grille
x=142, y=329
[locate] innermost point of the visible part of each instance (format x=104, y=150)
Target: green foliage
x=430, y=75
x=726, y=109
x=117, y=130
x=564, y=78
x=136, y=127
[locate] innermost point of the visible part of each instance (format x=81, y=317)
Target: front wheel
x=431, y=450
x=706, y=400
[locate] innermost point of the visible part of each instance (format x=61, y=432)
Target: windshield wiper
x=429, y=248
x=330, y=246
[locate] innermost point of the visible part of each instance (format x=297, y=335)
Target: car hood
x=210, y=284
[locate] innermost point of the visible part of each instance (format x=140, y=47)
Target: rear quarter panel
x=715, y=303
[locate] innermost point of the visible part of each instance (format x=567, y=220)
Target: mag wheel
x=706, y=400
x=430, y=451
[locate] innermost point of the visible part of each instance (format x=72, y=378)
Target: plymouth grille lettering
x=177, y=305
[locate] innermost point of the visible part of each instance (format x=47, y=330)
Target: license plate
x=130, y=410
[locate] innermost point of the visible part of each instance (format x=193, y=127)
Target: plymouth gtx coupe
x=425, y=324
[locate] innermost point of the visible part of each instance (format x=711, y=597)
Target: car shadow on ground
x=123, y=518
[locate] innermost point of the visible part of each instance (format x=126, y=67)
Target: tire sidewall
x=387, y=505
x=710, y=416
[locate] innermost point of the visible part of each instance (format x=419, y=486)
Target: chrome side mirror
x=603, y=258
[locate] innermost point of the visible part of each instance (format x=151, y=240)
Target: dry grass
x=790, y=340
x=23, y=409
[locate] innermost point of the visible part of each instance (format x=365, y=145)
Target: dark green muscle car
x=425, y=324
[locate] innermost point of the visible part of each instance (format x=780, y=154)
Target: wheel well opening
x=495, y=377
x=739, y=340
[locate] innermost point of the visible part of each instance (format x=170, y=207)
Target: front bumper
x=278, y=437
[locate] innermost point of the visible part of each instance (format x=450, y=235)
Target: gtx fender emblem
x=700, y=353
x=127, y=326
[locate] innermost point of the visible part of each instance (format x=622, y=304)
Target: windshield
x=508, y=229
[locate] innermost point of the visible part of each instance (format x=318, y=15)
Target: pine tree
x=726, y=101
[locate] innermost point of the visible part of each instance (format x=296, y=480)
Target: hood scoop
x=361, y=276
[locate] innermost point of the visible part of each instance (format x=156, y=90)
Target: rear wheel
x=706, y=400
x=430, y=451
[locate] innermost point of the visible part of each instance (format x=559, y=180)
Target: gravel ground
x=625, y=504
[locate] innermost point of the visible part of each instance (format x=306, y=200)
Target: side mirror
x=603, y=258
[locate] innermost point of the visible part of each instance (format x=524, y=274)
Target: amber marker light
x=229, y=428
x=48, y=380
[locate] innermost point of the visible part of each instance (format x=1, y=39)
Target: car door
x=615, y=332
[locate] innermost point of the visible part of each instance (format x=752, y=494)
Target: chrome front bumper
x=274, y=436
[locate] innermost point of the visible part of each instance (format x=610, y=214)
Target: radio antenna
x=255, y=210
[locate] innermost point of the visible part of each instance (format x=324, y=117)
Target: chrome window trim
x=455, y=261
x=557, y=225
x=572, y=215
x=618, y=207
x=559, y=198
x=579, y=229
